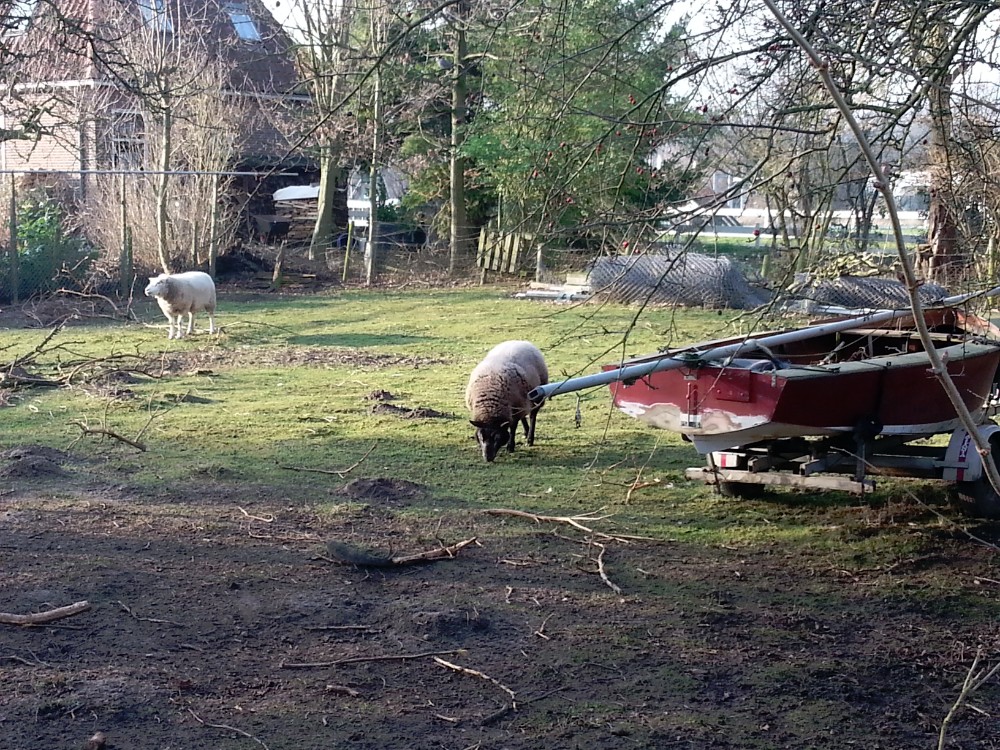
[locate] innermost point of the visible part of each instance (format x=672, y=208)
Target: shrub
x=49, y=257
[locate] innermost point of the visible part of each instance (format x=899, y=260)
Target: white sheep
x=497, y=395
x=180, y=293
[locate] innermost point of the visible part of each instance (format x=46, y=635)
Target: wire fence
x=98, y=229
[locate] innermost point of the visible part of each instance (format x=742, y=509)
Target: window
x=154, y=13
x=126, y=140
x=17, y=20
x=242, y=22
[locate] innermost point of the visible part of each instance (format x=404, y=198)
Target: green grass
x=286, y=382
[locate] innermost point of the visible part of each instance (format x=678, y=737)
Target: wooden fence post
x=347, y=249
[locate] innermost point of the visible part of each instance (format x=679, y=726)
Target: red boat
x=841, y=396
x=864, y=379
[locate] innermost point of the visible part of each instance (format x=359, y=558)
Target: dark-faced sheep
x=183, y=293
x=497, y=395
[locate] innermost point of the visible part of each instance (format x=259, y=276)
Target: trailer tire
x=978, y=498
x=744, y=490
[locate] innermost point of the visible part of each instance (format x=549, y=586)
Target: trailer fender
x=962, y=461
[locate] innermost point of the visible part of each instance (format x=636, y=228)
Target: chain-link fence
x=860, y=292
x=683, y=278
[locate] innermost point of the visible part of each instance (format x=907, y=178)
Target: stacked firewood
x=301, y=215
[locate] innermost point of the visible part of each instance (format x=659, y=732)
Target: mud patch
x=406, y=412
x=211, y=629
x=35, y=462
x=33, y=467
x=383, y=490
x=454, y=625
x=19, y=452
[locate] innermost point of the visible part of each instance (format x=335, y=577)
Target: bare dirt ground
x=218, y=620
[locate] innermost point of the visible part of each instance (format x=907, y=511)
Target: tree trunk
x=459, y=230
x=371, y=253
x=162, y=249
x=942, y=233
x=329, y=177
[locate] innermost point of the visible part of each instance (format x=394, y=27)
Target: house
x=91, y=81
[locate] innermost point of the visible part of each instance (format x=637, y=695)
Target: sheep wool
x=497, y=395
x=183, y=293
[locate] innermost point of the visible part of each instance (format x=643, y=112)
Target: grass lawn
x=793, y=620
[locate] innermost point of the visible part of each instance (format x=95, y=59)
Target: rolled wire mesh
x=682, y=278
x=860, y=291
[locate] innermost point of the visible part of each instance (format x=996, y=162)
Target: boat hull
x=722, y=407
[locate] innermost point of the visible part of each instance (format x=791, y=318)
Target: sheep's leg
x=170, y=326
x=190, y=322
x=211, y=323
x=530, y=427
x=511, y=435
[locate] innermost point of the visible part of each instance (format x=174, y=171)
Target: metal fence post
x=125, y=268
x=15, y=275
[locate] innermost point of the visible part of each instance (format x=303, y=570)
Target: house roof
x=84, y=54
x=241, y=33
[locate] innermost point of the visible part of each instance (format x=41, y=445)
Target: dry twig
x=39, y=618
x=336, y=472
x=343, y=690
x=86, y=430
x=973, y=681
x=231, y=729
x=477, y=673
x=136, y=617
x=602, y=573
x=362, y=659
x=346, y=554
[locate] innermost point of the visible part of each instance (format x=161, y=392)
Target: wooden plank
x=481, y=249
x=775, y=478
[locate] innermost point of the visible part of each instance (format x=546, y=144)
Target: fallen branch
x=85, y=430
x=973, y=681
x=362, y=659
x=336, y=472
x=481, y=675
x=19, y=376
x=39, y=618
x=346, y=554
x=574, y=521
x=600, y=570
x=637, y=485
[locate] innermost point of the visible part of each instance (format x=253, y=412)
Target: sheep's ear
x=476, y=423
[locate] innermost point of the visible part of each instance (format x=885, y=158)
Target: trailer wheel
x=744, y=490
x=978, y=498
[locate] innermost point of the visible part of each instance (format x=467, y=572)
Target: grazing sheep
x=179, y=293
x=497, y=395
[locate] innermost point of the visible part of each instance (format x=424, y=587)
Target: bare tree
x=326, y=59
